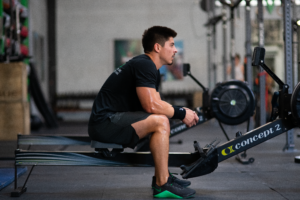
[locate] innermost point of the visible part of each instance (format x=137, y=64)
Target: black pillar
x=51, y=26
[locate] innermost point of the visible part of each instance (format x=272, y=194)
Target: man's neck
x=155, y=59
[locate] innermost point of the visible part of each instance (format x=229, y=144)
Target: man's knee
x=162, y=123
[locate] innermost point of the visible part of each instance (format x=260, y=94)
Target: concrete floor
x=274, y=174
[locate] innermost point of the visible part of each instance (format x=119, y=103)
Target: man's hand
x=191, y=118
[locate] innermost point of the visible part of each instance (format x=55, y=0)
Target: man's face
x=168, y=52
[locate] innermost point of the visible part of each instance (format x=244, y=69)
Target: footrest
x=204, y=165
x=101, y=145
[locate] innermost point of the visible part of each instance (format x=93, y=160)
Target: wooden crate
x=14, y=119
x=14, y=108
x=13, y=82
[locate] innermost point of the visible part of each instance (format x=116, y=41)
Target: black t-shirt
x=118, y=93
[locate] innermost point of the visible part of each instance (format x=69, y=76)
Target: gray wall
x=86, y=30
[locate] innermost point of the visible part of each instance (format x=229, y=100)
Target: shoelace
x=173, y=183
x=174, y=178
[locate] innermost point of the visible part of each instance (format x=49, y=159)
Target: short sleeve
x=158, y=80
x=146, y=74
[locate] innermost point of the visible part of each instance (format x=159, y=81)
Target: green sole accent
x=170, y=195
x=167, y=194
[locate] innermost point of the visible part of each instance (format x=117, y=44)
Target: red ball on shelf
x=24, y=32
x=24, y=50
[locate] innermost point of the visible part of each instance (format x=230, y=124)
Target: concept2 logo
x=251, y=139
x=230, y=151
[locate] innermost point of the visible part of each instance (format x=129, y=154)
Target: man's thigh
x=150, y=125
x=117, y=129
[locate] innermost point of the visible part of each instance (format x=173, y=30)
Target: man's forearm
x=162, y=107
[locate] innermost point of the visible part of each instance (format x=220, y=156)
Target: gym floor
x=273, y=175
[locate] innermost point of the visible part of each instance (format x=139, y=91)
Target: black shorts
x=117, y=129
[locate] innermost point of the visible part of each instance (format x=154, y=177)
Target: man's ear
x=157, y=47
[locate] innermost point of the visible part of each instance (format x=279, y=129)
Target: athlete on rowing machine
x=128, y=108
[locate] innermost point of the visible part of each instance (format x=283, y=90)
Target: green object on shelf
x=270, y=7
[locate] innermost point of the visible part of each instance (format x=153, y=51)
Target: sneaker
x=180, y=182
x=172, y=190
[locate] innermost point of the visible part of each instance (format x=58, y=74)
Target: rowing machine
x=288, y=113
x=202, y=161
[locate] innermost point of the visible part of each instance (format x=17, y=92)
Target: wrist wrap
x=179, y=113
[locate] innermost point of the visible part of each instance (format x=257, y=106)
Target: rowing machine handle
x=258, y=60
x=258, y=56
x=186, y=69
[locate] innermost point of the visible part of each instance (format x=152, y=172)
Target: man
x=128, y=108
x=239, y=69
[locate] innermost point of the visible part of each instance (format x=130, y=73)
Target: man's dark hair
x=156, y=34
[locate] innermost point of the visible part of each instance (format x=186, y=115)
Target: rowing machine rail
x=208, y=162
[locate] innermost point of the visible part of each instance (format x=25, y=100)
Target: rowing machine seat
x=103, y=148
x=101, y=145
